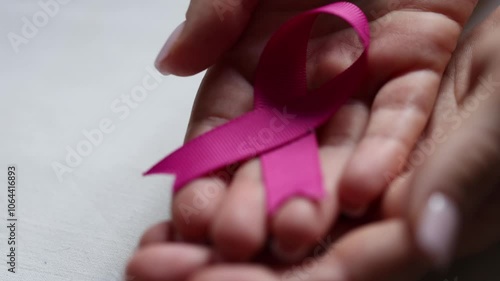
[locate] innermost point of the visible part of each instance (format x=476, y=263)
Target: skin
x=368, y=139
x=385, y=246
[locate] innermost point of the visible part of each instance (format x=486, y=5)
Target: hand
x=454, y=194
x=457, y=177
x=367, y=140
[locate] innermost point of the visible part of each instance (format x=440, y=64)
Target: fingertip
x=383, y=249
x=239, y=229
x=158, y=233
x=194, y=208
x=162, y=62
x=397, y=196
x=374, y=165
x=237, y=235
x=297, y=226
x=437, y=229
x=208, y=32
x=167, y=262
x=355, y=192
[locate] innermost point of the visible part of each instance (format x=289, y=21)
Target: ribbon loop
x=280, y=129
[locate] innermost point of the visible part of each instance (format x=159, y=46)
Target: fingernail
x=165, y=50
x=437, y=230
x=288, y=256
x=354, y=212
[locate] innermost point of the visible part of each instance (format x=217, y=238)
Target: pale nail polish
x=437, y=231
x=165, y=50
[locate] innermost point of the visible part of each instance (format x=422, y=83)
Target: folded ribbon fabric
x=280, y=129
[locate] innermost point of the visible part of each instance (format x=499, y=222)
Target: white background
x=62, y=81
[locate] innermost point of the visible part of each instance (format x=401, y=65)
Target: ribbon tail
x=292, y=170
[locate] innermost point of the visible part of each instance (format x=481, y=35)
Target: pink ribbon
x=280, y=129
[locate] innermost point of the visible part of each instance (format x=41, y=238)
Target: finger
x=450, y=186
x=194, y=208
x=234, y=272
x=239, y=229
x=399, y=115
x=387, y=252
x=459, y=11
x=402, y=106
x=159, y=233
x=299, y=223
x=167, y=262
x=210, y=29
x=223, y=96
x=382, y=249
x=395, y=197
x=213, y=26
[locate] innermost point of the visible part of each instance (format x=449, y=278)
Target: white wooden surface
x=68, y=77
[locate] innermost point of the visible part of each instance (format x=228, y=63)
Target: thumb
x=451, y=184
x=210, y=29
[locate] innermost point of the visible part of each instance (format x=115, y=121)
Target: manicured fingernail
x=288, y=256
x=437, y=231
x=165, y=50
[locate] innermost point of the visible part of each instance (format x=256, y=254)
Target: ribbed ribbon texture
x=280, y=128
